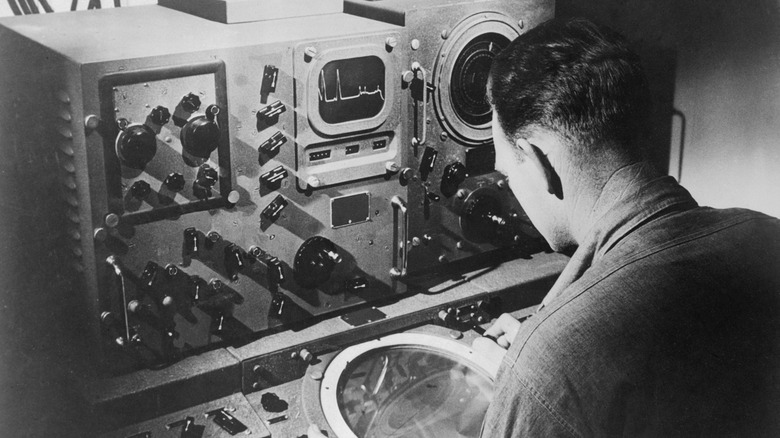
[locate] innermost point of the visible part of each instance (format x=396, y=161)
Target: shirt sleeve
x=517, y=411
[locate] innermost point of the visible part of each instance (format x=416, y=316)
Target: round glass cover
x=413, y=391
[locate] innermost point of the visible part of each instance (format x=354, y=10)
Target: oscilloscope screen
x=351, y=89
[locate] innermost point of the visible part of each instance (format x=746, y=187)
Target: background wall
x=720, y=62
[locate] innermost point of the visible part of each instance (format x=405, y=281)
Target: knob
x=160, y=115
x=190, y=103
x=201, y=135
x=482, y=219
x=140, y=189
x=454, y=174
x=174, y=182
x=315, y=261
x=136, y=146
x=207, y=176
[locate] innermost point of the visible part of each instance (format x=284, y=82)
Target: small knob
x=406, y=173
x=160, y=115
x=136, y=146
x=190, y=103
x=306, y=355
x=174, y=182
x=207, y=176
x=140, y=189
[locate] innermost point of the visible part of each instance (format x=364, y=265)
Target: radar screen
x=351, y=89
x=470, y=75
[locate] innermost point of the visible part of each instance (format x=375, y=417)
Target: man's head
x=568, y=99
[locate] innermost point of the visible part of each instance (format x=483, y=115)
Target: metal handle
x=415, y=68
x=399, y=204
x=113, y=261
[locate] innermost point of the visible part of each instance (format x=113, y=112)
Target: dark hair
x=573, y=77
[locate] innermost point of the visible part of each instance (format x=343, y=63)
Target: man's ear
x=538, y=159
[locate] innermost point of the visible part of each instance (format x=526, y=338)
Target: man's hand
x=503, y=332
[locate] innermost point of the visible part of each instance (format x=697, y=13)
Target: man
x=666, y=321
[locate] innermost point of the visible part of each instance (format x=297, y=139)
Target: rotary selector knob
x=140, y=189
x=201, y=135
x=136, y=145
x=160, y=115
x=190, y=103
x=315, y=261
x=207, y=176
x=174, y=182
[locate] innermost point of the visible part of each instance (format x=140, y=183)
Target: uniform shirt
x=666, y=322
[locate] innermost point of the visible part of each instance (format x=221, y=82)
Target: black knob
x=136, y=146
x=483, y=219
x=200, y=136
x=140, y=189
x=190, y=103
x=174, y=182
x=454, y=175
x=160, y=115
x=207, y=176
x=315, y=261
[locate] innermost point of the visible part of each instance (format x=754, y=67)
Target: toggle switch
x=358, y=284
x=149, y=274
x=271, y=111
x=275, y=270
x=428, y=161
x=268, y=85
x=234, y=259
x=272, y=145
x=274, y=209
x=191, y=241
x=273, y=178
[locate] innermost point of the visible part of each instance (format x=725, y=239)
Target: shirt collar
x=632, y=196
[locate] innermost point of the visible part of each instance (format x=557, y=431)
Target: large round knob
x=482, y=219
x=315, y=261
x=200, y=136
x=136, y=146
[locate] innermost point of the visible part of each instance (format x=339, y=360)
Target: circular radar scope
x=462, y=73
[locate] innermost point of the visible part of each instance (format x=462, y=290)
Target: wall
x=726, y=88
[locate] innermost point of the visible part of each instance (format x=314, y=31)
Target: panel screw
x=415, y=44
x=445, y=34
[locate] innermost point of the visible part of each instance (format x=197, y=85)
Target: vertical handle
x=114, y=263
x=399, y=204
x=416, y=67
